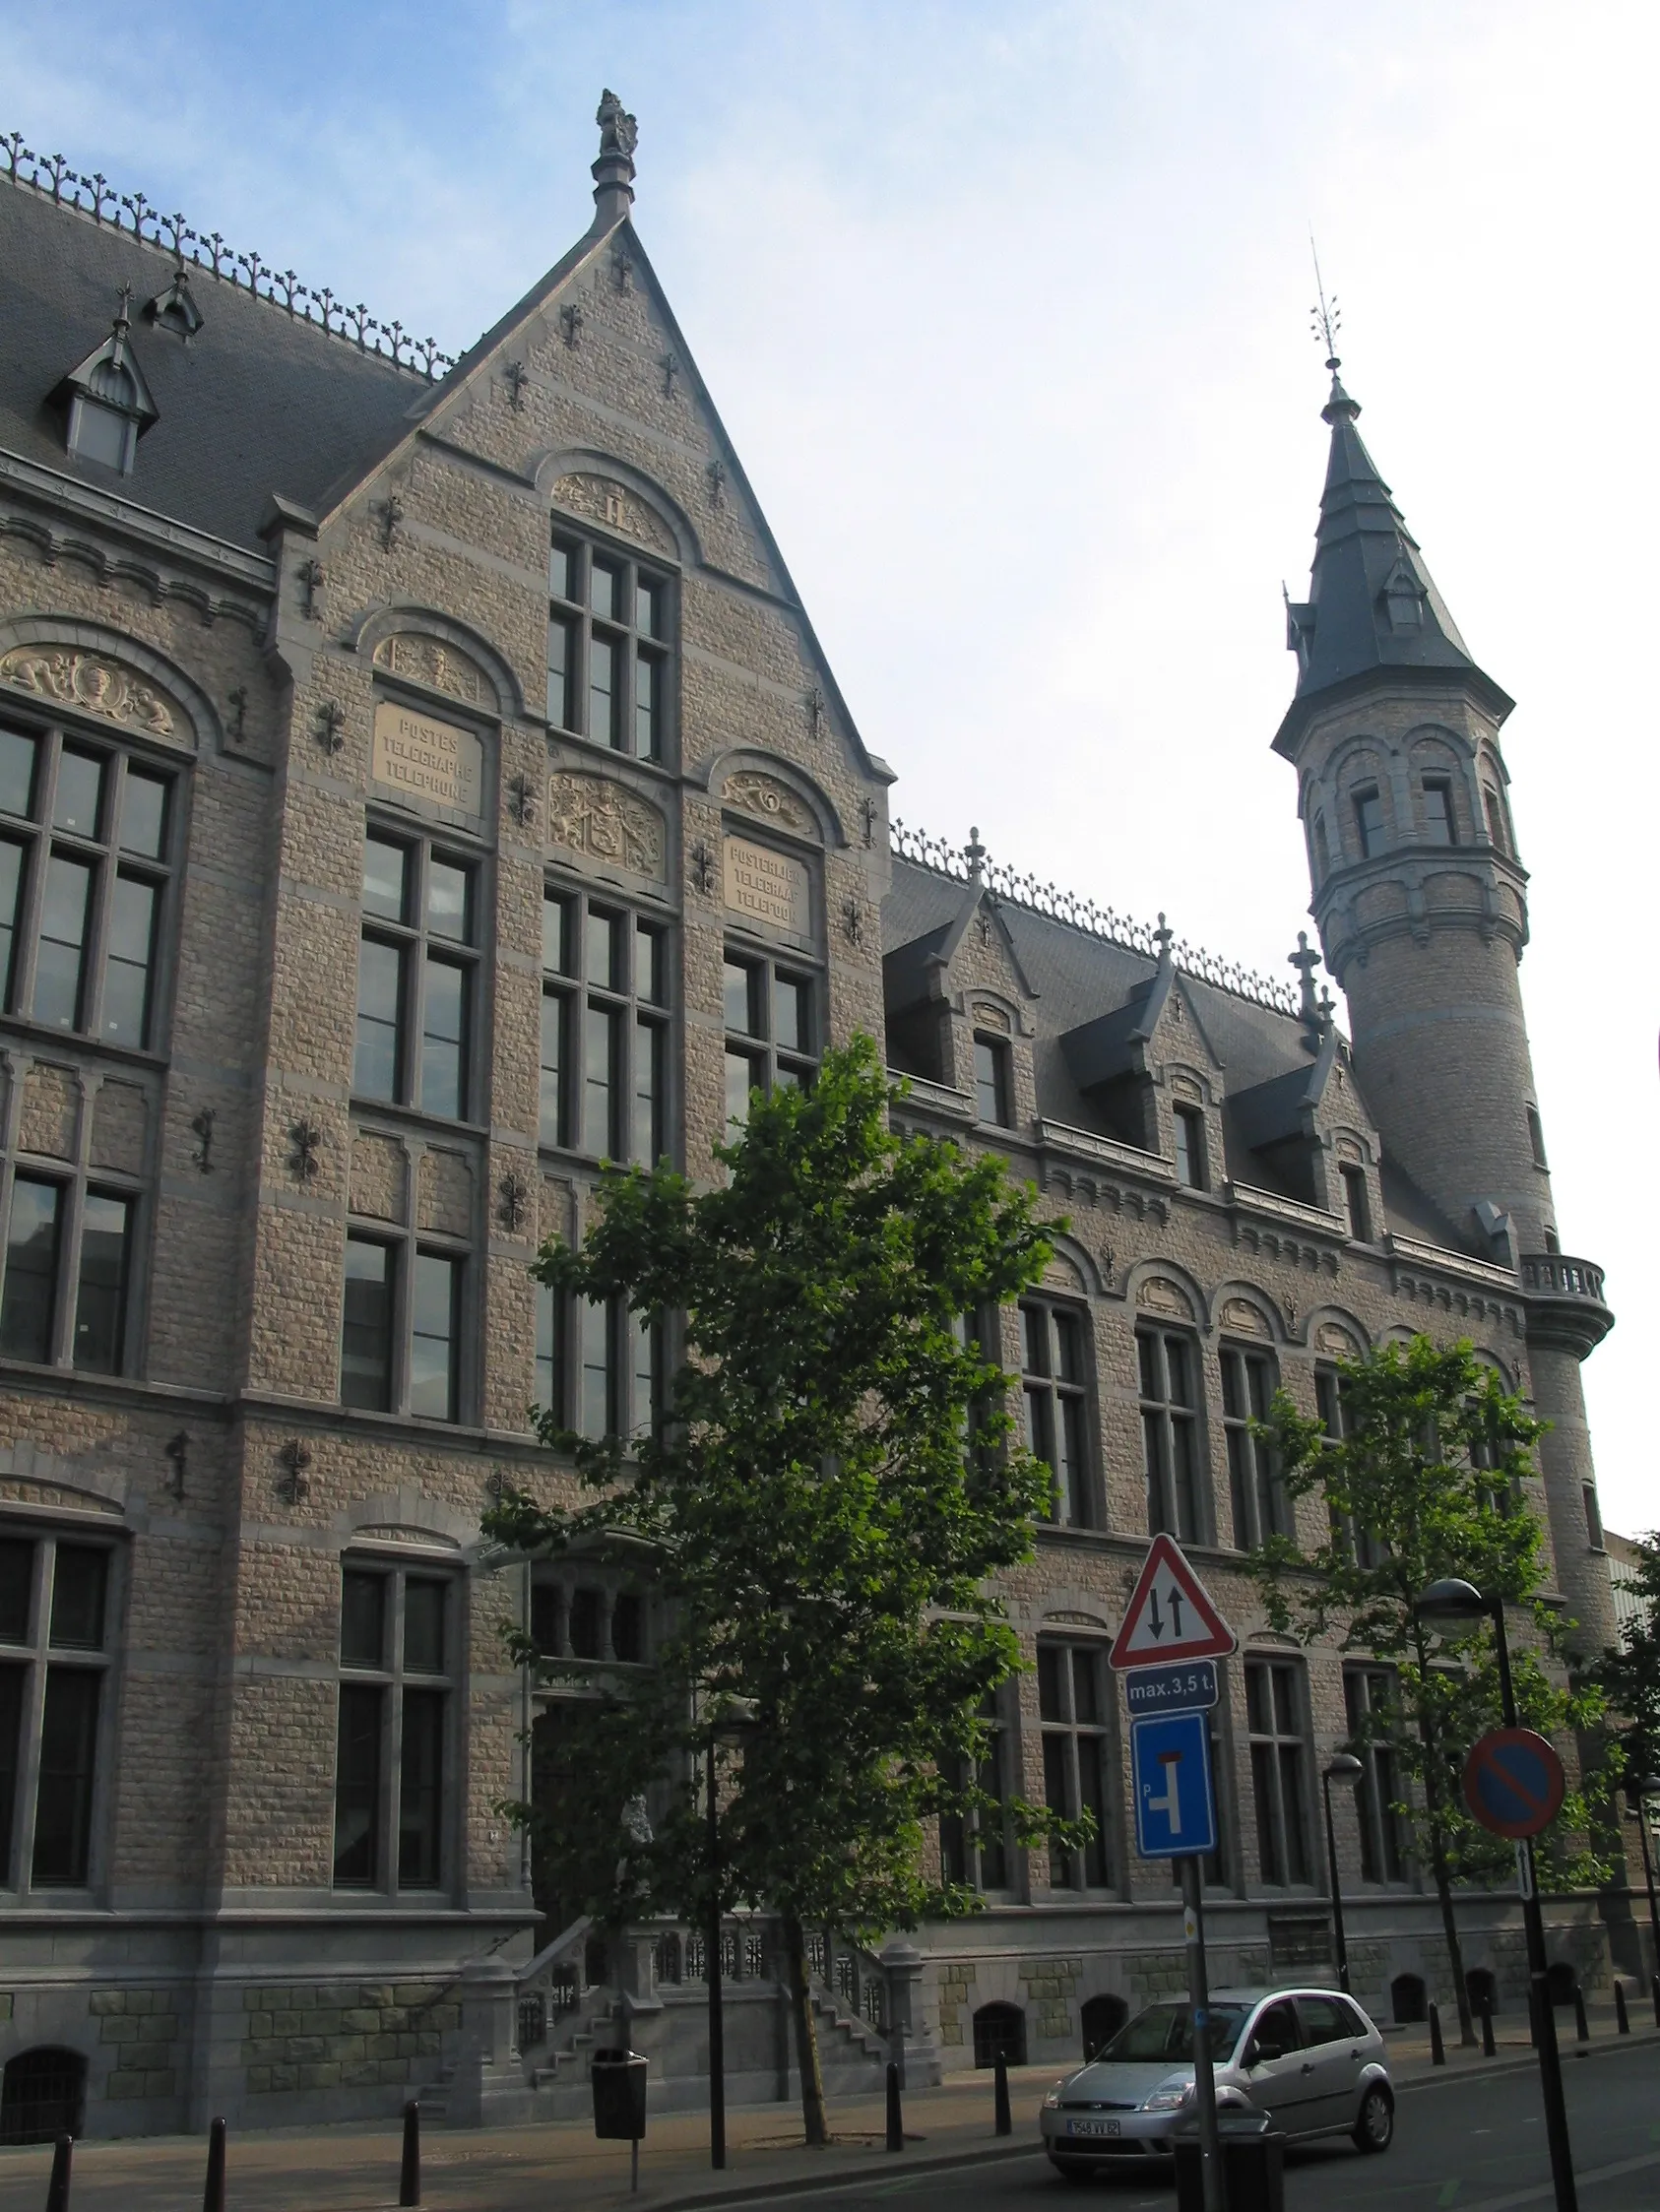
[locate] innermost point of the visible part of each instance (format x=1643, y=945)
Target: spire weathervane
x=1326, y=316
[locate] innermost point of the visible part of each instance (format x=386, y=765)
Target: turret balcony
x=1565, y=1308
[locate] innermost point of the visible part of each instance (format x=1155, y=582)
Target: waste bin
x=619, y=2095
x=1252, y=2165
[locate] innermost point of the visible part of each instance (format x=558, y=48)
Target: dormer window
x=1188, y=1125
x=108, y=402
x=1355, y=1205
x=992, y=1090
x=1439, y=825
x=1369, y=820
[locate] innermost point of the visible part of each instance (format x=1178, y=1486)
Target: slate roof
x=256, y=403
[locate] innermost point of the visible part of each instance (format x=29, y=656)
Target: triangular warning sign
x=1169, y=1617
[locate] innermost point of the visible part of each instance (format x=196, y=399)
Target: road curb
x=803, y=2184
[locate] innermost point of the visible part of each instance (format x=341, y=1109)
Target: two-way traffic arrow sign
x=1170, y=1616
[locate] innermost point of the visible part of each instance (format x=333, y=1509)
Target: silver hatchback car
x=1309, y=2058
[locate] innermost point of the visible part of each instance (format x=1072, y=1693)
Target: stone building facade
x=419, y=780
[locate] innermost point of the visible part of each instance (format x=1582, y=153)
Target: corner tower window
x=1536, y=1137
x=608, y=648
x=1369, y=821
x=1439, y=825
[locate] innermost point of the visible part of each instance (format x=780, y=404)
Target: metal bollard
x=896, y=2118
x=1655, y=1985
x=57, y=2189
x=1489, y=2049
x=1621, y=2018
x=1002, y=2123
x=213, y=2191
x=1581, y=2026
x=1438, y=2048
x=408, y=2173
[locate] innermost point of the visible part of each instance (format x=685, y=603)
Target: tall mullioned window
x=418, y=970
x=65, y=1292
x=608, y=648
x=1365, y=1695
x=974, y=1847
x=402, y=1313
x=392, y=1741
x=55, y=1617
x=1369, y=821
x=1260, y=1507
x=599, y=1369
x=1055, y=1402
x=1279, y=1769
x=772, y=1025
x=1168, y=1361
x=87, y=851
x=1074, y=1709
x=605, y=1028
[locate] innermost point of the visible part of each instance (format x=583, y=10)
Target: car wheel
x=1073, y=2169
x=1374, y=2123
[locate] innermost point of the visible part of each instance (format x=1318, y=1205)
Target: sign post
x=1167, y=1648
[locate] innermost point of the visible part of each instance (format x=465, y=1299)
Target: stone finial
x=974, y=852
x=1306, y=960
x=613, y=171
x=1164, y=936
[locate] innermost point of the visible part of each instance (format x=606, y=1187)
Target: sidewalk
x=548, y=2168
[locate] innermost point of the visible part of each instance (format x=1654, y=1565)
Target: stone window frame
x=79, y=1179
x=1061, y=1734
x=571, y=612
x=569, y=988
x=770, y=1062
x=1278, y=1746
x=1166, y=1418
x=391, y=1680
x=458, y=847
x=1384, y=1849
x=37, y=834
x=993, y=1081
x=47, y=1532
x=406, y=1244
x=1252, y=1473
x=1046, y=1386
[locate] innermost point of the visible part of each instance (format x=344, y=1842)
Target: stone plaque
x=420, y=757
x=768, y=889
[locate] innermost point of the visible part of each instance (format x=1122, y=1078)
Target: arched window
x=1408, y=2000
x=1101, y=2019
x=42, y=2095
x=1497, y=821
x=1322, y=848
x=1000, y=2031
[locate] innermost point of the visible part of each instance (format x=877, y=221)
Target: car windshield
x=1163, y=2031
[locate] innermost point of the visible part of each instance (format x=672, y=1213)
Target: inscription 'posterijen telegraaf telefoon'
x=769, y=889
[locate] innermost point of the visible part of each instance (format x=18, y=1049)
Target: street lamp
x=1448, y=1604
x=1639, y=1795
x=737, y=1718
x=1345, y=1770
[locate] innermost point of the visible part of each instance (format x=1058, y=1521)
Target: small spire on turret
x=974, y=852
x=1306, y=960
x=613, y=171
x=1328, y=321
x=1164, y=936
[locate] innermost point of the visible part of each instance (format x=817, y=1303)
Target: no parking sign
x=1513, y=1782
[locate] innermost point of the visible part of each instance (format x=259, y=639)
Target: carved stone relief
x=1075, y=1619
x=1337, y=1343
x=440, y=667
x=50, y=1099
x=120, y=1122
x=759, y=793
x=603, y=501
x=1157, y=1295
x=1245, y=1319
x=1062, y=1273
x=992, y=1017
x=591, y=814
x=95, y=684
x=1184, y=1087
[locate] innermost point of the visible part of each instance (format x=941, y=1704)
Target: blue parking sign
x=1169, y=1777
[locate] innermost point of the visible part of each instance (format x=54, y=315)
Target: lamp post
x=1345, y=1770
x=1447, y=1605
x=736, y=1719
x=1638, y=1795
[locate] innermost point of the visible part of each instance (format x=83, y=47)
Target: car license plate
x=1092, y=2127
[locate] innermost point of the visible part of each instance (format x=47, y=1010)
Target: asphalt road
x=1466, y=2142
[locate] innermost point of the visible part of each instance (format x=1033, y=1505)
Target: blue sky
x=1007, y=312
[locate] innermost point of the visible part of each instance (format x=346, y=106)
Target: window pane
x=1437, y=813
x=561, y=570
x=11, y=898
x=792, y=1014
x=420, y=1789
x=628, y=1630
x=380, y=1006
x=603, y=588
x=28, y=1304
x=365, y=1348
x=100, y=1299
x=13, y=1680
x=1178, y=1365
x=143, y=815
x=80, y=1580
x=556, y=935
x=601, y=690
x=1092, y=1797
x=1268, y=1853
x=357, y=1787
x=606, y=951
x=63, y=1798
x=449, y=901
x=1183, y=1472
x=1034, y=1339
x=741, y=1081
x=651, y=981
x=560, y=658
x=132, y=951
x=423, y=1624
x=601, y=1030
x=80, y=793
x=550, y=1390
x=647, y=1092
x=991, y=1090
x=648, y=705
x=17, y=1583
x=555, y=1054
x=99, y=433
x=1290, y=1803
x=651, y=598
x=63, y=937
x=443, y=1039
x=386, y=869
x=1051, y=1682
x=593, y=1320
x=1057, y=1796
x=1086, y=1686
x=362, y=1620
x=586, y=1624
x=1068, y=1345
x=1070, y=1472
x=434, y=1336
x=644, y=1336
x=18, y=755
x=743, y=1014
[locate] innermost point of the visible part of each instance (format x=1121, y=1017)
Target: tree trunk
x=815, y=2130
x=1449, y=1929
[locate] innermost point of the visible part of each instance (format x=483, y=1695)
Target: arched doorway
x=1000, y=2031
x=1101, y=2019
x=1562, y=1980
x=42, y=2095
x=1483, y=1986
x=1409, y=1999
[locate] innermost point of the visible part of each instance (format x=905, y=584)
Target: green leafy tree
x=818, y=1517
x=1424, y=1483
x=1628, y=1673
